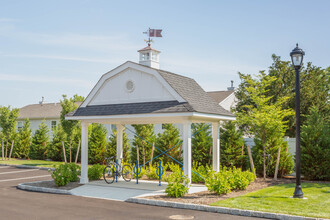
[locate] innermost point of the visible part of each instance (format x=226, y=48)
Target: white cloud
x=46, y=79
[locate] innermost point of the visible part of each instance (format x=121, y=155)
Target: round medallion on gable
x=130, y=86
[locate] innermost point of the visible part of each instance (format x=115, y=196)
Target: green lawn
x=37, y=163
x=276, y=199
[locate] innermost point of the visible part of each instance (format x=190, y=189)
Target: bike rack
x=116, y=170
x=136, y=171
x=160, y=172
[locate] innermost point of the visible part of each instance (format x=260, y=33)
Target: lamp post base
x=298, y=192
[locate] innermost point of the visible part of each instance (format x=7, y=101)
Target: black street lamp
x=297, y=56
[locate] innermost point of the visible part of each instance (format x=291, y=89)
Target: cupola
x=149, y=57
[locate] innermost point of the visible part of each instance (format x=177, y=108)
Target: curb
x=28, y=167
x=222, y=210
x=23, y=186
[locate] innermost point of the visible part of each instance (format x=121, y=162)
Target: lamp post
x=297, y=56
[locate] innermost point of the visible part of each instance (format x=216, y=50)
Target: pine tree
x=201, y=143
x=166, y=140
x=23, y=141
x=144, y=133
x=55, y=148
x=231, y=142
x=315, y=146
x=112, y=146
x=40, y=142
x=97, y=143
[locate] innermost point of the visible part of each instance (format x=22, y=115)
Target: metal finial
x=297, y=44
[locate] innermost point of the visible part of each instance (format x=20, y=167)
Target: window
x=53, y=124
x=19, y=125
x=154, y=56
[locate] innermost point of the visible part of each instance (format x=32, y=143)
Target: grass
x=37, y=163
x=277, y=199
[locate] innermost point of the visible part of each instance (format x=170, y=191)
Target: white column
x=186, y=145
x=119, y=142
x=216, y=146
x=84, y=153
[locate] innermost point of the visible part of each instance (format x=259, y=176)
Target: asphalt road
x=18, y=204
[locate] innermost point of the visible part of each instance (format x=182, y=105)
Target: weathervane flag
x=155, y=33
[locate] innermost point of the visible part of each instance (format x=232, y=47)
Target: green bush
x=228, y=179
x=177, y=185
x=218, y=183
x=95, y=172
x=65, y=173
x=202, y=171
x=40, y=142
x=151, y=172
x=315, y=146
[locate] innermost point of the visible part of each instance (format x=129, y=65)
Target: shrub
x=228, y=179
x=177, y=185
x=151, y=172
x=315, y=146
x=96, y=143
x=218, y=183
x=65, y=173
x=95, y=172
x=202, y=171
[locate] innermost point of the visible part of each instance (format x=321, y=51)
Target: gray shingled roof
x=41, y=111
x=197, y=100
x=219, y=96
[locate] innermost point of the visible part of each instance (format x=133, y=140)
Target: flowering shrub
x=65, y=173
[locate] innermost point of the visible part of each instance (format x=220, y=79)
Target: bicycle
x=114, y=169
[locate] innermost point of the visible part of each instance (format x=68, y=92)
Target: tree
x=166, y=140
x=71, y=127
x=144, y=133
x=264, y=120
x=96, y=143
x=315, y=146
x=231, y=143
x=314, y=89
x=24, y=141
x=201, y=143
x=8, y=121
x=112, y=146
x=40, y=142
x=55, y=149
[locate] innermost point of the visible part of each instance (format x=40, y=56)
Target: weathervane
x=152, y=33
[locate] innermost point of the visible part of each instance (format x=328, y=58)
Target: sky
x=51, y=48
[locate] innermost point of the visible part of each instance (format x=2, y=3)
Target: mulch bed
x=206, y=198
x=51, y=184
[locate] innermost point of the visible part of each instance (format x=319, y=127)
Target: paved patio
x=122, y=190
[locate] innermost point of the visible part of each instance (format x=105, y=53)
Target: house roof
x=220, y=96
x=41, y=111
x=148, y=48
x=197, y=100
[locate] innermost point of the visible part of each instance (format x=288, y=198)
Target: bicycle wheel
x=127, y=173
x=109, y=173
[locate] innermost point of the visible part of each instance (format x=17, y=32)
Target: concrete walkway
x=123, y=191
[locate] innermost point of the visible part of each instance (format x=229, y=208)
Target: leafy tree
x=144, y=133
x=231, y=142
x=40, y=142
x=315, y=146
x=201, y=143
x=264, y=120
x=166, y=140
x=112, y=146
x=24, y=141
x=71, y=127
x=55, y=148
x=8, y=121
x=96, y=143
x=314, y=89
